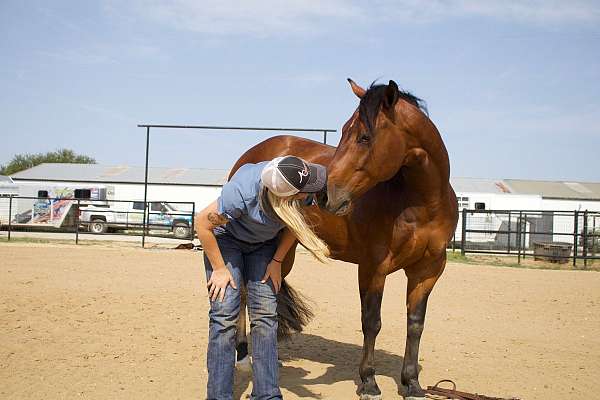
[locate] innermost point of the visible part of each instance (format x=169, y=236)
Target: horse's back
x=282, y=145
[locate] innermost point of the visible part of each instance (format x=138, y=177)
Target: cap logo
x=303, y=173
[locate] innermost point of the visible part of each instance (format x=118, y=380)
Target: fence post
x=193, y=232
x=146, y=222
x=145, y=186
x=594, y=237
x=575, y=238
x=524, y=233
x=585, y=238
x=519, y=222
x=9, y=214
x=77, y=222
x=463, y=238
x=508, y=241
x=454, y=241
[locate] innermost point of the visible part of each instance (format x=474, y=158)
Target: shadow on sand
x=342, y=360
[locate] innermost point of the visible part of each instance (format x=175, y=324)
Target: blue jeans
x=248, y=264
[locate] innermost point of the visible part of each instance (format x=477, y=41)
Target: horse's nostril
x=343, y=208
x=344, y=205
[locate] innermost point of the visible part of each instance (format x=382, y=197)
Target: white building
x=200, y=186
x=203, y=185
x=520, y=194
x=8, y=187
x=528, y=195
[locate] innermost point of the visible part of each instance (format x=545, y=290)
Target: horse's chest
x=408, y=235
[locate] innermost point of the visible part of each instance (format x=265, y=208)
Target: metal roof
x=556, y=189
x=476, y=185
x=546, y=189
x=50, y=172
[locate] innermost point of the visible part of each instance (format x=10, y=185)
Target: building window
x=83, y=193
x=480, y=206
x=138, y=205
x=463, y=202
x=42, y=193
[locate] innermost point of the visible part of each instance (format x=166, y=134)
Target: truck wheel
x=181, y=231
x=98, y=226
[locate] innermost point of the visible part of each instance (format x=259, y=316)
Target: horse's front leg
x=242, y=360
x=371, y=286
x=421, y=280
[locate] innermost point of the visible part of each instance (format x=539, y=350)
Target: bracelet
x=276, y=260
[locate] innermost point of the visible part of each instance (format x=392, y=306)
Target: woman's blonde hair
x=288, y=210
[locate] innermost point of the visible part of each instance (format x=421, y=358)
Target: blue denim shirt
x=239, y=201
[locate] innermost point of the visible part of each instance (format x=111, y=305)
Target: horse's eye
x=364, y=138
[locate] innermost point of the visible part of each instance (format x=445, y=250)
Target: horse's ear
x=358, y=91
x=391, y=95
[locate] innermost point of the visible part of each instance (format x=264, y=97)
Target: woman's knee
x=262, y=304
x=226, y=312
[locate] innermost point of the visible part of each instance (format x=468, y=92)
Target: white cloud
x=525, y=11
x=254, y=17
x=537, y=11
x=272, y=17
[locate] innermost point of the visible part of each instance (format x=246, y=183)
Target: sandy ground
x=125, y=323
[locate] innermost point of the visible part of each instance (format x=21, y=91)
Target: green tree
x=21, y=162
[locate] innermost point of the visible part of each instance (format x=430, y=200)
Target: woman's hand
x=219, y=279
x=273, y=272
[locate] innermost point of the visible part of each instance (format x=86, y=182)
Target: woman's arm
x=208, y=219
x=274, y=267
x=285, y=243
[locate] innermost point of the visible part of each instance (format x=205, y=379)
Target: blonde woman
x=245, y=234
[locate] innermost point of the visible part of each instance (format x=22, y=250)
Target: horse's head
x=374, y=143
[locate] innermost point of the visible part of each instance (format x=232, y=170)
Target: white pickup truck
x=130, y=216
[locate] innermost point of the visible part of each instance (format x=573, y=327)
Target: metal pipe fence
x=549, y=235
x=556, y=236
x=155, y=218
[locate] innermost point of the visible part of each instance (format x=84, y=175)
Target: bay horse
x=388, y=206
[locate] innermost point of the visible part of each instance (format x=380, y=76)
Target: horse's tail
x=293, y=311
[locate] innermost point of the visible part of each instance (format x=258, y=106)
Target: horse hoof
x=365, y=396
x=244, y=364
x=368, y=389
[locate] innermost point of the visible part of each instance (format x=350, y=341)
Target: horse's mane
x=370, y=103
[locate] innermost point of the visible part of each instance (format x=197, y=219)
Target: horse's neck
x=426, y=172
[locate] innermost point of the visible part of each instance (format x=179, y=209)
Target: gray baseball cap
x=288, y=175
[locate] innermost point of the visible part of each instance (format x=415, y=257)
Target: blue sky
x=513, y=86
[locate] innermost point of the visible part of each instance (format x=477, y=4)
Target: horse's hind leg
x=421, y=279
x=242, y=360
x=371, y=286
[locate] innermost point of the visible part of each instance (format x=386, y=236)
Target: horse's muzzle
x=338, y=201
x=342, y=209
